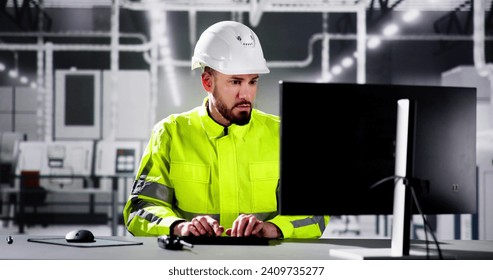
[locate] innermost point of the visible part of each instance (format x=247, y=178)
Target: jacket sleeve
x=301, y=226
x=148, y=211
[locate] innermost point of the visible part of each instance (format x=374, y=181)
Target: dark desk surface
x=320, y=249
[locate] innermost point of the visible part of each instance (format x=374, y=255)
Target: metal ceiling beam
x=293, y=5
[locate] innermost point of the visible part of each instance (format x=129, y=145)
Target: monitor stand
x=400, y=243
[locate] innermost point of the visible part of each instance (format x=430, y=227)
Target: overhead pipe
x=77, y=47
x=256, y=9
x=144, y=47
x=48, y=93
x=484, y=70
x=361, y=43
x=65, y=34
x=114, y=67
x=282, y=63
x=362, y=47
x=325, y=77
x=40, y=55
x=240, y=6
x=192, y=37
x=279, y=64
x=192, y=23
x=158, y=22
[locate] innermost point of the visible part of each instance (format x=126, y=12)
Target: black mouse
x=80, y=236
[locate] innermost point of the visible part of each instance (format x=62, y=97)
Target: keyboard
x=226, y=240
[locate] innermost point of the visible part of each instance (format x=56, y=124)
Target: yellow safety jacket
x=194, y=166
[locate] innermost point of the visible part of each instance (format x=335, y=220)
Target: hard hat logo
x=250, y=43
x=218, y=48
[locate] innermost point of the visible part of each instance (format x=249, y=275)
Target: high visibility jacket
x=194, y=166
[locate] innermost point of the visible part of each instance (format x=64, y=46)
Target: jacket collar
x=215, y=130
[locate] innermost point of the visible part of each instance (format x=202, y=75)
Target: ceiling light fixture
x=411, y=16
x=390, y=30
x=336, y=70
x=374, y=42
x=347, y=62
x=13, y=73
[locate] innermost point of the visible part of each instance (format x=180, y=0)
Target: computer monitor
x=337, y=140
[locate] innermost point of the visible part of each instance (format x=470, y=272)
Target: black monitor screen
x=337, y=140
x=79, y=100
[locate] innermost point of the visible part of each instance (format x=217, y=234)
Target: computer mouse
x=80, y=236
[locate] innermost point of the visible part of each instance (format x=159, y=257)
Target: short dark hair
x=209, y=70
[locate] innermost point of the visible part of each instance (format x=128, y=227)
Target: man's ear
x=207, y=81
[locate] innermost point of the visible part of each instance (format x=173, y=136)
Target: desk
x=299, y=249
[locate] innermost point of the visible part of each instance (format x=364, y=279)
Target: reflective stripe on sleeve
x=145, y=215
x=319, y=220
x=154, y=190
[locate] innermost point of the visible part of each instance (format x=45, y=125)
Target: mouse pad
x=98, y=242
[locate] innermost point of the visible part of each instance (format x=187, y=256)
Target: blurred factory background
x=82, y=82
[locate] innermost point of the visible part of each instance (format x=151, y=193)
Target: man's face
x=232, y=97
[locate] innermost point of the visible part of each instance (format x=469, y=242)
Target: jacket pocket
x=264, y=177
x=191, y=184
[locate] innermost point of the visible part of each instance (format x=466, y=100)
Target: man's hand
x=247, y=225
x=200, y=225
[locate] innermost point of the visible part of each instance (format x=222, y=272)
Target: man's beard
x=241, y=119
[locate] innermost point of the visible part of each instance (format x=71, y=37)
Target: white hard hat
x=231, y=48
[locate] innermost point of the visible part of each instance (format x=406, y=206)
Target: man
x=214, y=170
